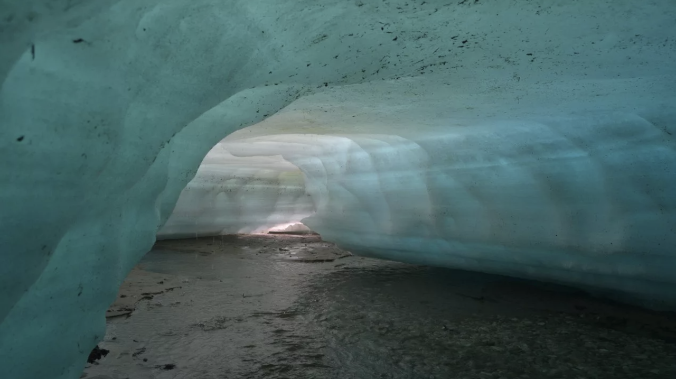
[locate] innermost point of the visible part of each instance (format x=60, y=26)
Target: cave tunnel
x=337, y=189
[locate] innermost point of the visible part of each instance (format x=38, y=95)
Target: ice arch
x=107, y=108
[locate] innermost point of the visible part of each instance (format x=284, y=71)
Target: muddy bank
x=278, y=306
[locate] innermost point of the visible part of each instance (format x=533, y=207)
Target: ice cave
x=531, y=139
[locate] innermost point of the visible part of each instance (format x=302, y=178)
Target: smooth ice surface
x=484, y=202
x=529, y=137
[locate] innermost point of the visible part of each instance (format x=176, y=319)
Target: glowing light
x=294, y=226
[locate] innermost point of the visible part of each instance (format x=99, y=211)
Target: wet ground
x=278, y=306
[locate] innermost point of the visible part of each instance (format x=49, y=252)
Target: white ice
x=530, y=138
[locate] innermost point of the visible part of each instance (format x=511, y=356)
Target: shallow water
x=262, y=306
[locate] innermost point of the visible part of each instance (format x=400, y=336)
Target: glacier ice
x=485, y=200
x=529, y=138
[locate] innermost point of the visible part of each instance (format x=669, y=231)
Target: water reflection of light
x=294, y=226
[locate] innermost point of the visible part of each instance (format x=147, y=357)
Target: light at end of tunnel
x=290, y=227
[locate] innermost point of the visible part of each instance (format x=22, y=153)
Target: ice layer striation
x=528, y=138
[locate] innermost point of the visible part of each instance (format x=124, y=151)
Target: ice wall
x=108, y=107
x=583, y=201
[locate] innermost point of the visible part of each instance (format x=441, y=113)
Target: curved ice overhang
x=571, y=181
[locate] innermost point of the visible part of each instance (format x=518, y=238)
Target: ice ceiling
x=530, y=138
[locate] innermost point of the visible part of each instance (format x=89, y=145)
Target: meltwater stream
x=277, y=306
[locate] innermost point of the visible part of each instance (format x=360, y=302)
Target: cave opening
x=240, y=195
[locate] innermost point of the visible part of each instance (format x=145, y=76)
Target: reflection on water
x=295, y=307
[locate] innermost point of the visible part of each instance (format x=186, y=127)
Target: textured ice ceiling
x=532, y=138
